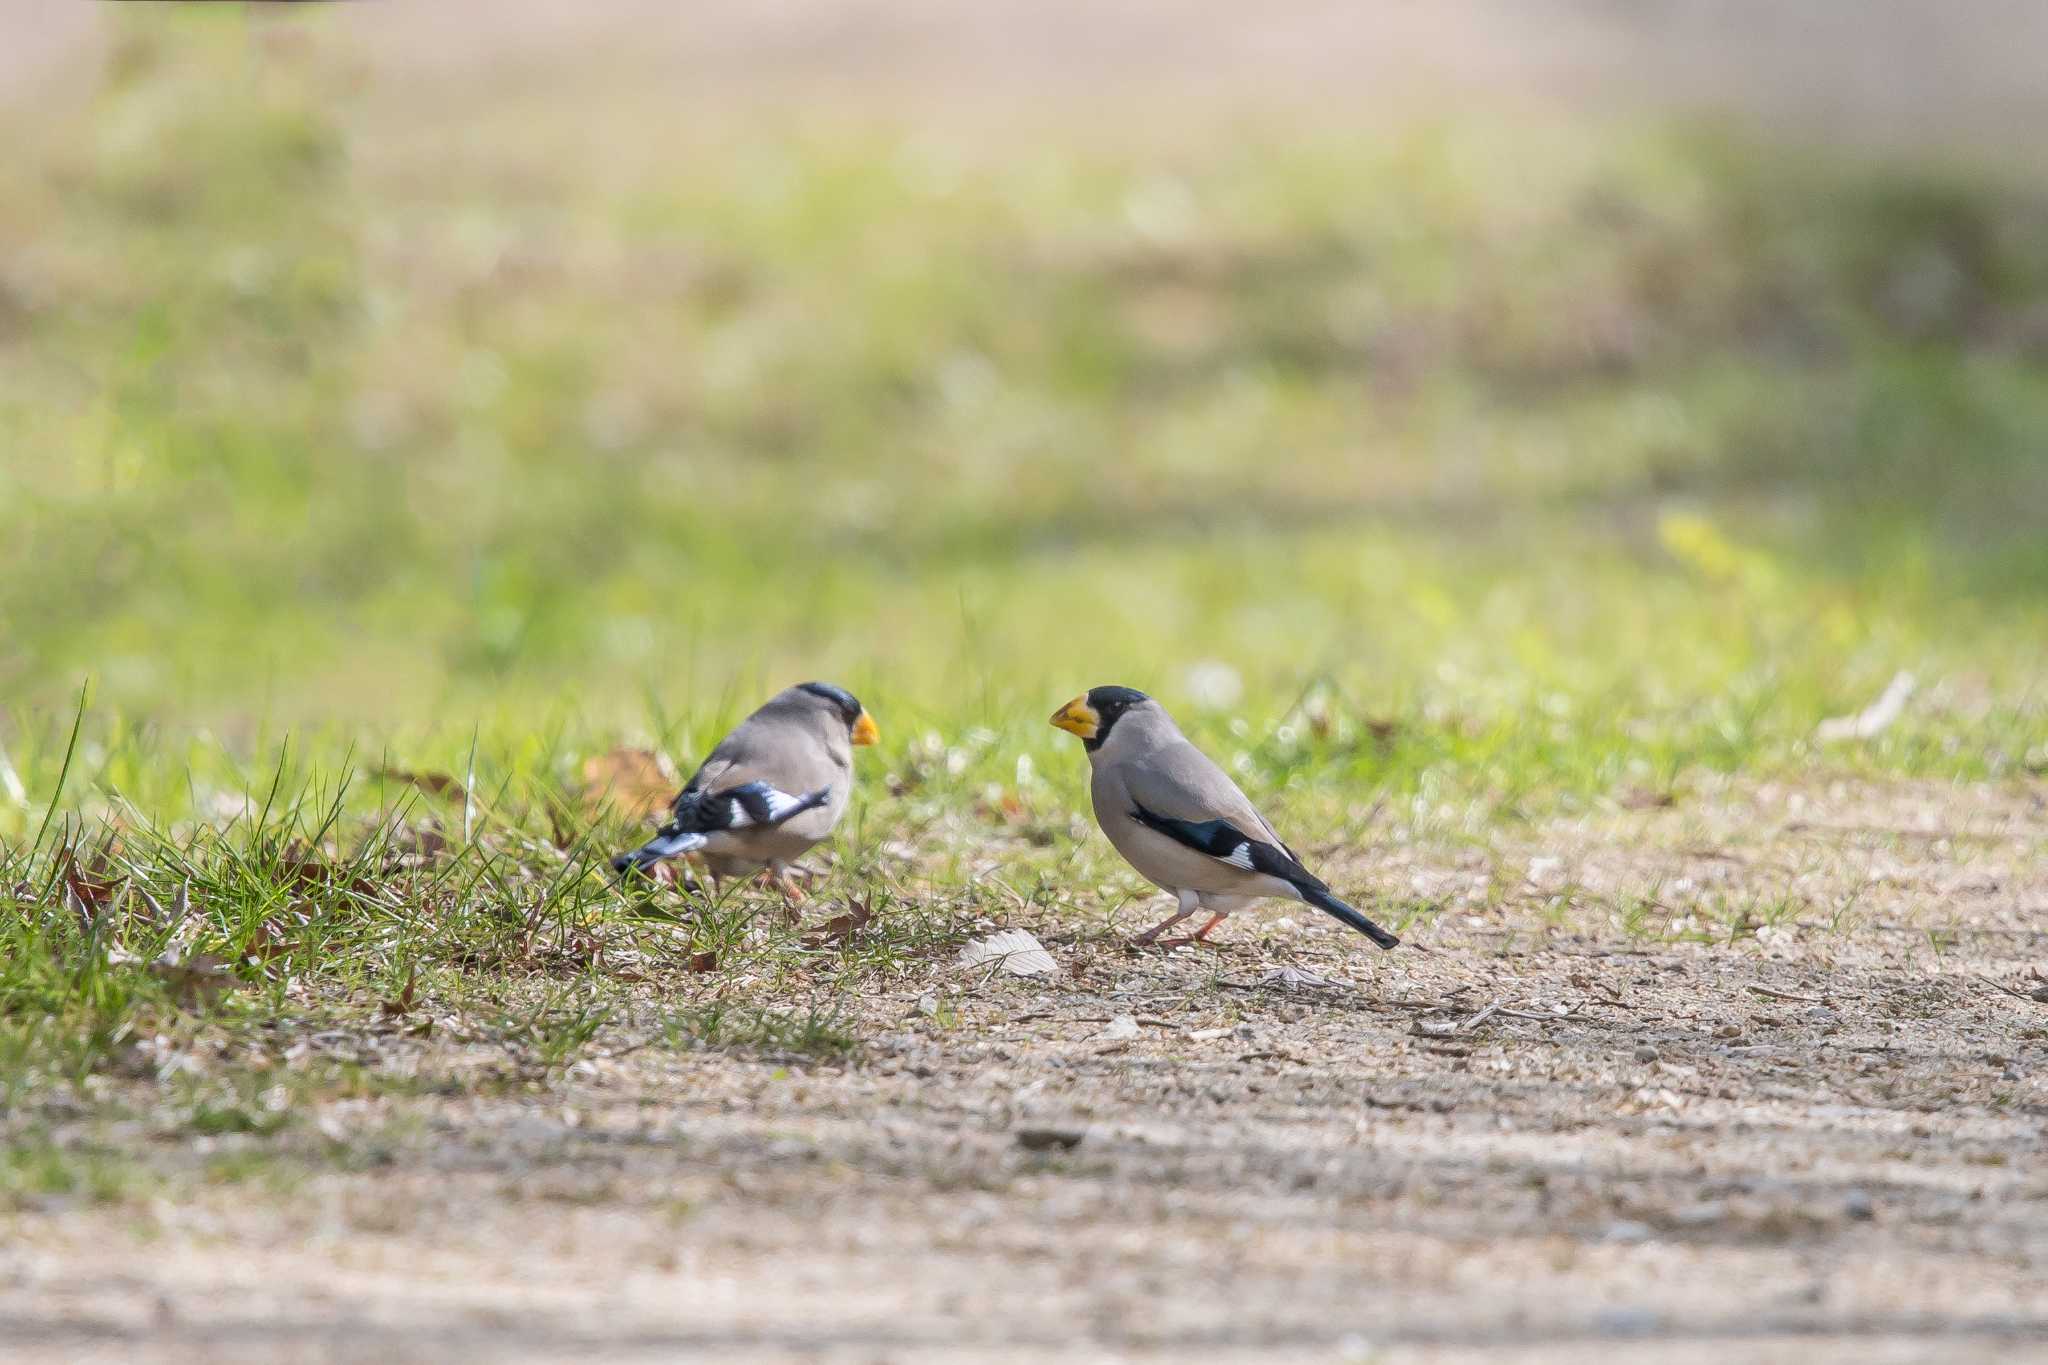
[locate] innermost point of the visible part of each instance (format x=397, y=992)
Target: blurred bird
x=771, y=789
x=1181, y=821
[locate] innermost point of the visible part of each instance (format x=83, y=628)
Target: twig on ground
x=1549, y=1018
x=1767, y=992
x=1476, y=1020
x=2028, y=996
x=1146, y=1020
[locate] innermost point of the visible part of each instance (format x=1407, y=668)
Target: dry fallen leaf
x=1294, y=976
x=433, y=784
x=704, y=962
x=636, y=783
x=840, y=928
x=401, y=1004
x=1013, y=950
x=269, y=938
x=89, y=891
x=197, y=980
x=302, y=866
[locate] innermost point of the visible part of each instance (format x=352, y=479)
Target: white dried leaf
x=1873, y=718
x=1121, y=1028
x=1285, y=977
x=1013, y=950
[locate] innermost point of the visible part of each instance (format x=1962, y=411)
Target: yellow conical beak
x=865, y=731
x=1077, y=717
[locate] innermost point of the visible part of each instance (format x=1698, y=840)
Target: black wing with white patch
x=750, y=805
x=1226, y=843
x=698, y=814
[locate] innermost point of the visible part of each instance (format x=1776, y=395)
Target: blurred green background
x=1553, y=447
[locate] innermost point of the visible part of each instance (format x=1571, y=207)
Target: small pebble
x=1646, y=1054
x=1050, y=1139
x=1857, y=1204
x=1626, y=1322
x=1701, y=1215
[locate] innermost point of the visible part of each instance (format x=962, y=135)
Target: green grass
x=1503, y=470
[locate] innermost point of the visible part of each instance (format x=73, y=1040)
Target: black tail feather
x=1322, y=900
x=667, y=844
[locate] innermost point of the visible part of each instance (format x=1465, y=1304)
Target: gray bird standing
x=1181, y=821
x=771, y=789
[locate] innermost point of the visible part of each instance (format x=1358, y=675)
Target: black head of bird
x=1092, y=715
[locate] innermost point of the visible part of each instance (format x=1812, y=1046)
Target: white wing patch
x=780, y=804
x=1241, y=856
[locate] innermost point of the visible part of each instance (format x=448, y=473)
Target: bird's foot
x=1200, y=935
x=793, y=894
x=1151, y=936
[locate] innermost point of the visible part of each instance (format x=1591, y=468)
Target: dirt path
x=1820, y=1141
x=1865, y=72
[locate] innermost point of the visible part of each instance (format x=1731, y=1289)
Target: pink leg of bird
x=1200, y=935
x=792, y=894
x=1189, y=903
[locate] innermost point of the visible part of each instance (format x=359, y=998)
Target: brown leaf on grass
x=401, y=1004
x=425, y=841
x=840, y=928
x=636, y=783
x=560, y=832
x=198, y=979
x=433, y=784
x=266, y=941
x=704, y=962
x=89, y=890
x=1645, y=798
x=300, y=866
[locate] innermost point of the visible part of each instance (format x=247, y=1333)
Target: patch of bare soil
x=1757, y=1076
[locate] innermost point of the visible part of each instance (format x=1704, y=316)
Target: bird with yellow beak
x=1182, y=823
x=769, y=791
